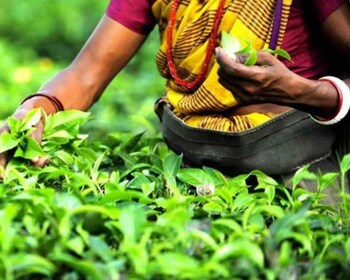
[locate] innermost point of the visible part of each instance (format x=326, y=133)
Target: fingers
x=2, y=165
x=265, y=59
x=236, y=69
x=40, y=161
x=38, y=132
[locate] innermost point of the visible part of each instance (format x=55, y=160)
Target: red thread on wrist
x=54, y=100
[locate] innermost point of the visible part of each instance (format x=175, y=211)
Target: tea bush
x=126, y=208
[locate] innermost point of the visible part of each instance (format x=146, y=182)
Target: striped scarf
x=208, y=106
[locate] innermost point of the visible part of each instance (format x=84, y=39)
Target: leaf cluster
x=231, y=45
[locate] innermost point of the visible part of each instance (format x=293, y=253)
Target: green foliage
x=55, y=30
x=125, y=207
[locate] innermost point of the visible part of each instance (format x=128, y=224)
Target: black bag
x=276, y=147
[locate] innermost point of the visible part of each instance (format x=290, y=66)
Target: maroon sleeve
x=324, y=8
x=134, y=14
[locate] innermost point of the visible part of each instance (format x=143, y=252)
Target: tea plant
x=127, y=208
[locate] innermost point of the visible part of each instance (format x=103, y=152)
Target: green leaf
x=178, y=264
x=138, y=181
x=33, y=149
x=132, y=221
x=347, y=248
x=129, y=146
x=195, y=177
x=76, y=245
x=171, y=165
x=282, y=228
x=213, y=207
x=31, y=119
x=25, y=264
x=280, y=52
x=252, y=58
x=303, y=174
x=100, y=248
x=88, y=269
x=65, y=157
x=7, y=142
x=241, y=248
x=242, y=200
x=326, y=180
x=345, y=164
x=271, y=210
x=148, y=188
x=205, y=237
x=218, y=178
x=232, y=225
x=14, y=125
x=65, y=119
x=229, y=43
x=61, y=137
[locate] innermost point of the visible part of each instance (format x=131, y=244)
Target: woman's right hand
x=20, y=114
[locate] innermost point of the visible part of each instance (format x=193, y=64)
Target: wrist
x=317, y=97
x=343, y=101
x=50, y=104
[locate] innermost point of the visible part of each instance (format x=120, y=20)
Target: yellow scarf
x=208, y=106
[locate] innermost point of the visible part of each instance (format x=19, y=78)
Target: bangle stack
x=54, y=100
x=343, y=103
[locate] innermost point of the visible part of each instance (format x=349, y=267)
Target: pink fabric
x=302, y=38
x=133, y=14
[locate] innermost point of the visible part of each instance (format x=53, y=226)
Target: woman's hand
x=19, y=114
x=270, y=81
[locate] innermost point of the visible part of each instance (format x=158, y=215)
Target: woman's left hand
x=268, y=81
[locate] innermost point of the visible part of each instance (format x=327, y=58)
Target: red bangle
x=54, y=100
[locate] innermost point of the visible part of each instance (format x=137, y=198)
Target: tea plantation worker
x=275, y=115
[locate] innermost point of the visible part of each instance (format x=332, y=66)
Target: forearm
x=70, y=88
x=78, y=86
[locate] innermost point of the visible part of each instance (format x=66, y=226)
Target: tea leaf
x=171, y=165
x=31, y=119
x=252, y=58
x=14, y=125
x=229, y=43
x=326, y=180
x=240, y=248
x=302, y=174
x=194, y=177
x=27, y=264
x=280, y=52
x=345, y=164
x=7, y=142
x=132, y=221
x=64, y=120
x=33, y=149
